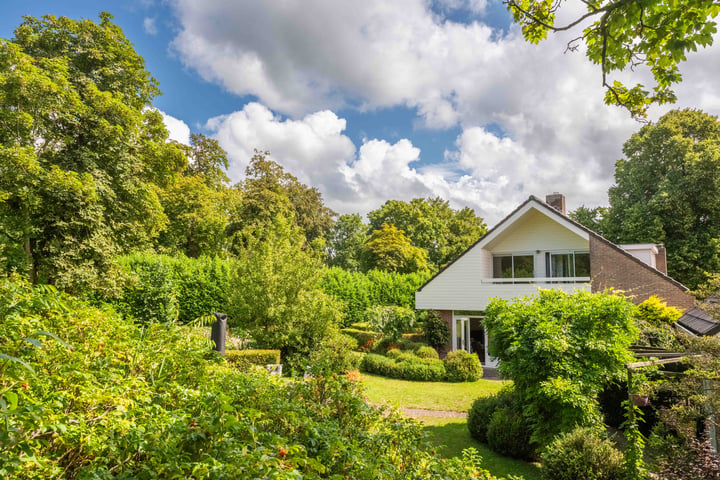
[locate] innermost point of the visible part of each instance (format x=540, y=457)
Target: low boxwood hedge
x=404, y=367
x=243, y=359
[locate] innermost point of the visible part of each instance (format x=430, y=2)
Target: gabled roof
x=576, y=227
x=699, y=322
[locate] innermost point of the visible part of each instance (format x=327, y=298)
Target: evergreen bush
x=437, y=333
x=581, y=453
x=483, y=409
x=462, y=366
x=426, y=352
x=508, y=434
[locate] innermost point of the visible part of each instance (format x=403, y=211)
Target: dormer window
x=513, y=266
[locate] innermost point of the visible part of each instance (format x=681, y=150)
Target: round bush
x=393, y=353
x=462, y=366
x=480, y=414
x=581, y=454
x=509, y=435
x=426, y=352
x=406, y=357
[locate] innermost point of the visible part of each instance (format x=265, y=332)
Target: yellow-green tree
x=390, y=250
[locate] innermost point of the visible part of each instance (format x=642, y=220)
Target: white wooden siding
x=452, y=293
x=467, y=284
x=536, y=231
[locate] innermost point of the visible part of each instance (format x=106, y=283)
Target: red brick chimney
x=557, y=201
x=661, y=259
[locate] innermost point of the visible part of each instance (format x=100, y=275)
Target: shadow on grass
x=451, y=436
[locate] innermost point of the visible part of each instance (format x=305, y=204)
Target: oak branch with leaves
x=628, y=34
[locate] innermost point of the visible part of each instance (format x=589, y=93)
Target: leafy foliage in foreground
x=86, y=394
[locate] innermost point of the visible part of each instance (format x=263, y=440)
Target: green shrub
x=581, y=453
x=404, y=356
x=412, y=368
x=335, y=355
x=462, y=366
x=391, y=320
x=656, y=312
x=151, y=294
x=437, y=333
x=393, y=353
x=483, y=409
x=365, y=339
x=243, y=359
x=365, y=326
x=426, y=352
x=508, y=434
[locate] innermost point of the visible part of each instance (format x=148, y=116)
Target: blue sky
x=378, y=100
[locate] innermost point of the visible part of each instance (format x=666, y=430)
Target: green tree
x=592, y=218
x=277, y=298
x=390, y=250
x=560, y=350
x=81, y=154
x=268, y=190
x=207, y=160
x=345, y=242
x=431, y=224
x=667, y=190
x=197, y=217
x=625, y=35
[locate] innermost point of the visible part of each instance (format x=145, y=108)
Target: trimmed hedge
x=462, y=366
x=360, y=291
x=243, y=359
x=406, y=369
x=365, y=339
x=164, y=289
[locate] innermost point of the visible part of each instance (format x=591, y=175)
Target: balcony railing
x=534, y=280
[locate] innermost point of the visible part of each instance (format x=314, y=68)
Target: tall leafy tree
x=620, y=35
x=268, y=190
x=346, y=239
x=390, y=250
x=668, y=191
x=80, y=151
x=198, y=201
x=432, y=225
x=207, y=160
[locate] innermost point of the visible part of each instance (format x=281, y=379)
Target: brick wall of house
x=610, y=267
x=447, y=317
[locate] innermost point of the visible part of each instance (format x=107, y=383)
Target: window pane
x=502, y=267
x=524, y=266
x=582, y=264
x=562, y=265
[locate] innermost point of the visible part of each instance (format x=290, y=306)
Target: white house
x=538, y=246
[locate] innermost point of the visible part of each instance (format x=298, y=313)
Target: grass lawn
x=451, y=436
x=428, y=395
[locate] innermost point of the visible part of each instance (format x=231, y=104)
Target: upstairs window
x=513, y=266
x=572, y=264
